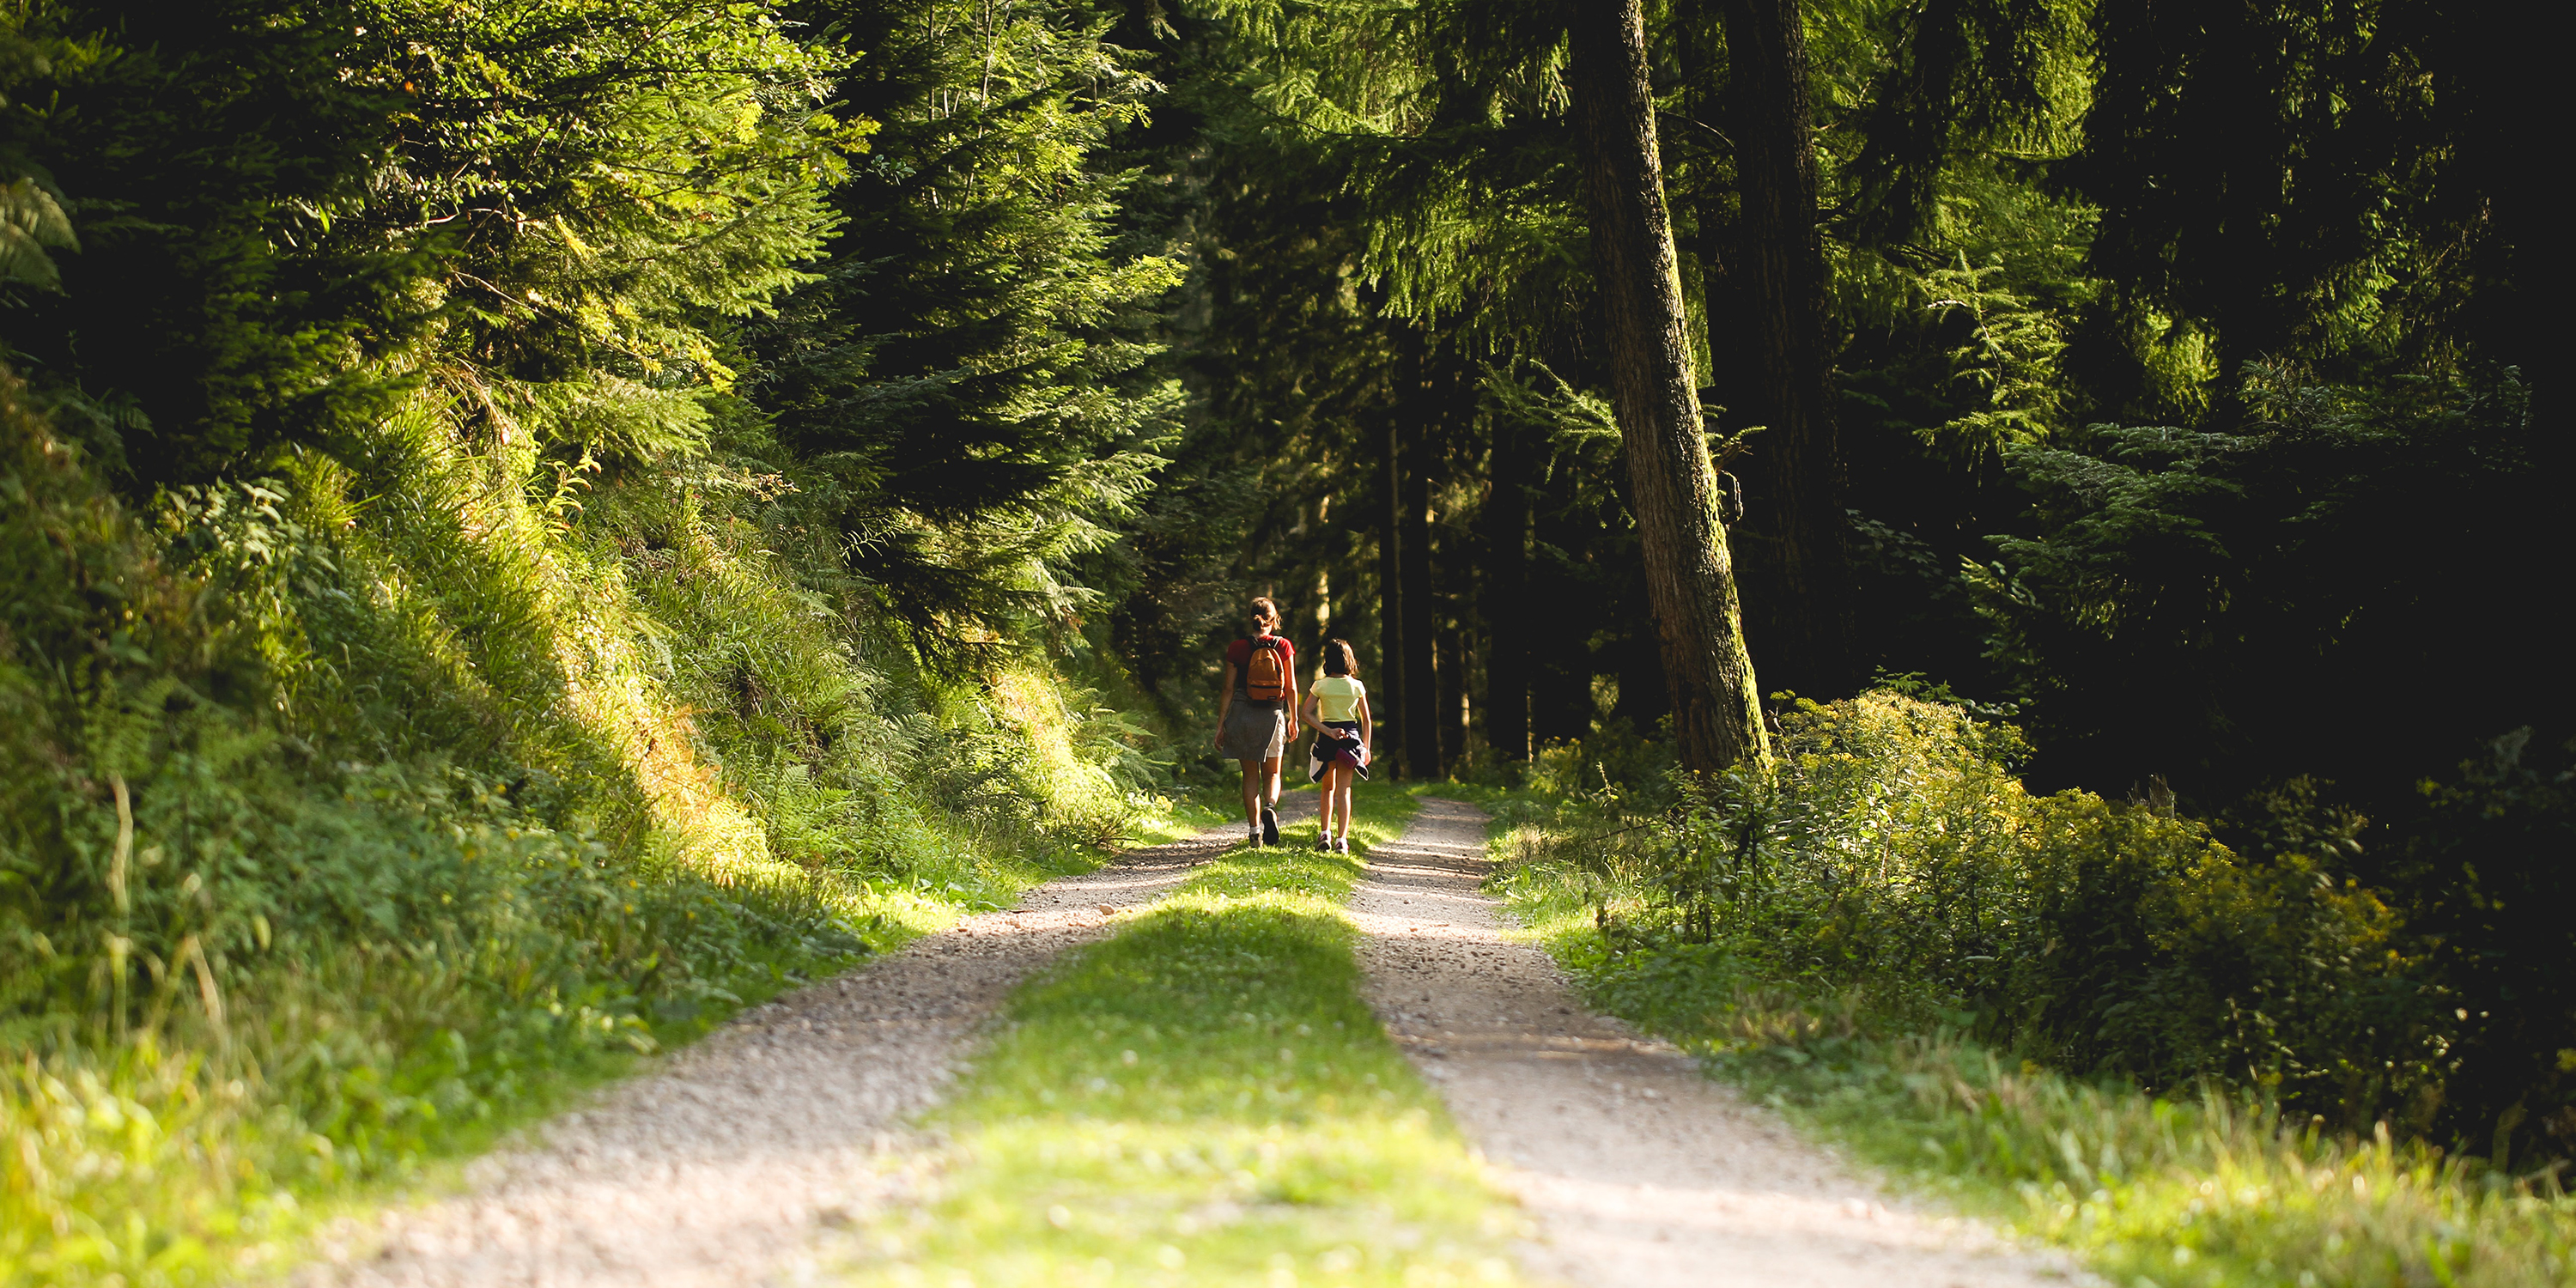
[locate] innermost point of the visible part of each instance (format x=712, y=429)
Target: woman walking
x=1337, y=710
x=1252, y=719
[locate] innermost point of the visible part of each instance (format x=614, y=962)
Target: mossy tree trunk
x=1673, y=487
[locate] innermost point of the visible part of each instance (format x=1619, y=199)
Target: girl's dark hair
x=1339, y=660
x=1266, y=610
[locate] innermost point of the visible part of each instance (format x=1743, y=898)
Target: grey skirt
x=1253, y=730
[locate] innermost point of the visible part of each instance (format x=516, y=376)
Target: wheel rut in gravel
x=1640, y=1171
x=719, y=1167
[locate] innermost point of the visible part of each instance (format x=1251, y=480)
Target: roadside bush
x=1891, y=857
x=2485, y=868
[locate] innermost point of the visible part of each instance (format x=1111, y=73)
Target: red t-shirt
x=1240, y=652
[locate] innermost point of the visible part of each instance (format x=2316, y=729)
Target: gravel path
x=719, y=1167
x=1640, y=1171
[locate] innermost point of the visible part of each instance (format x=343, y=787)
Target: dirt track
x=722, y=1166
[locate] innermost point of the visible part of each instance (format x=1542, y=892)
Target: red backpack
x=1265, y=672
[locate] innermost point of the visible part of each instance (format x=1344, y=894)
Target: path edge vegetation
x=1656, y=908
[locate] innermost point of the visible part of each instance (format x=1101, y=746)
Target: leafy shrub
x=2486, y=868
x=1892, y=856
x=1613, y=768
x=2216, y=1184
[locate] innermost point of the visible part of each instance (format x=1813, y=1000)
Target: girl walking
x=1252, y=718
x=1337, y=710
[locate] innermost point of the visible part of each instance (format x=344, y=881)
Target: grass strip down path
x=1205, y=1099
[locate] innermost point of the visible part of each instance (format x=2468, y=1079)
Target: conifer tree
x=295, y=214
x=968, y=385
x=2268, y=168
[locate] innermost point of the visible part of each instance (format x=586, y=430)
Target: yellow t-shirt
x=1341, y=697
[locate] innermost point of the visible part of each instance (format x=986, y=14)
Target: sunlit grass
x=2190, y=1191
x=1180, y=817
x=1205, y=1099
x=181, y=1161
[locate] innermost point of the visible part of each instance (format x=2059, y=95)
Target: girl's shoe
x=1269, y=826
x=1253, y=839
x=1341, y=845
x=1323, y=843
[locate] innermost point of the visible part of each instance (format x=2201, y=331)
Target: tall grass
x=353, y=815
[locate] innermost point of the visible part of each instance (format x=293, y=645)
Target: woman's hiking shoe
x=1341, y=845
x=1252, y=839
x=1323, y=843
x=1269, y=826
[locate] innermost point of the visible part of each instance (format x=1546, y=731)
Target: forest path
x=718, y=1167
x=1640, y=1171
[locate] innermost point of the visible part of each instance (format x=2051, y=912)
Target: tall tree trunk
x=1388, y=686
x=1453, y=564
x=1505, y=606
x=1325, y=542
x=1717, y=712
x=1558, y=645
x=1734, y=370
x=1793, y=571
x=1454, y=707
x=1421, y=689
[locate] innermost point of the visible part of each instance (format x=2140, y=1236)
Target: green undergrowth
x=349, y=819
x=1205, y=1099
x=2202, y=1187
